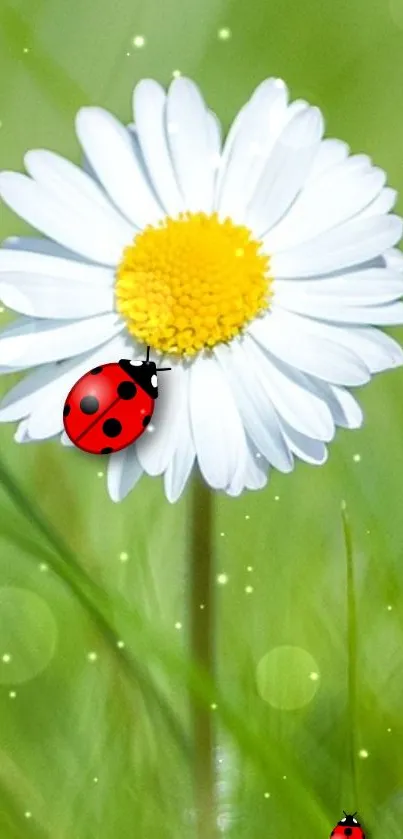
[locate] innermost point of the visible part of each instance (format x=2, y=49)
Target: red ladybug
x=111, y=406
x=348, y=826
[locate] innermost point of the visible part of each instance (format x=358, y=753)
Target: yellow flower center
x=191, y=283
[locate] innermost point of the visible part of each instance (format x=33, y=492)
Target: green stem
x=352, y=658
x=201, y=644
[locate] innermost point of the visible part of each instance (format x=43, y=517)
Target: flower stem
x=201, y=644
x=352, y=660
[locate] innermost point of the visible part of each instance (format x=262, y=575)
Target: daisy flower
x=257, y=269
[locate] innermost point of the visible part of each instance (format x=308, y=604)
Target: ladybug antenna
x=344, y=812
x=148, y=355
x=354, y=814
x=162, y=369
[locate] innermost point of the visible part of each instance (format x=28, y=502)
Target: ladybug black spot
x=146, y=420
x=112, y=427
x=89, y=404
x=106, y=450
x=66, y=410
x=348, y=831
x=127, y=390
x=96, y=370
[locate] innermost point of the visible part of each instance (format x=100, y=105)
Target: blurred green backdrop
x=94, y=734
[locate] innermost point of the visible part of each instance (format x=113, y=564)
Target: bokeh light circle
x=28, y=635
x=287, y=678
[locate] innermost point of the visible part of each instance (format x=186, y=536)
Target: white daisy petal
x=15, y=260
x=254, y=405
x=108, y=146
x=52, y=382
x=183, y=458
x=330, y=154
x=347, y=245
x=357, y=288
x=124, y=471
x=27, y=342
x=81, y=229
x=65, y=440
x=293, y=394
x=71, y=186
x=257, y=471
x=248, y=145
x=317, y=355
x=155, y=447
x=305, y=448
x=149, y=105
x=43, y=246
x=252, y=473
x=388, y=314
x=42, y=297
x=345, y=410
x=189, y=135
x=21, y=435
x=286, y=170
x=376, y=349
x=218, y=433
x=393, y=258
x=325, y=203
x=214, y=133
x=382, y=204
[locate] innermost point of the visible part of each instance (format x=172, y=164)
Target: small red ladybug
x=111, y=406
x=348, y=826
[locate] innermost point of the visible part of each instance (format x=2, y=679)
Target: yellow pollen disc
x=191, y=283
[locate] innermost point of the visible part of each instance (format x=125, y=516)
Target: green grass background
x=94, y=735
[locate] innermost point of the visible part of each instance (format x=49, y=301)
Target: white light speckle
x=249, y=568
x=123, y=556
x=222, y=533
x=284, y=777
x=100, y=474
x=356, y=458
x=139, y=41
x=28, y=814
x=6, y=658
x=213, y=706
x=1, y=307
x=178, y=625
x=314, y=677
x=343, y=505
x=363, y=754
x=277, y=498
x=389, y=730
x=248, y=589
x=120, y=645
x=95, y=780
x=224, y=34
x=92, y=656
x=176, y=74
x=150, y=428
x=267, y=795
x=127, y=53
x=43, y=567
x=247, y=518
x=202, y=605
x=25, y=50
x=12, y=694
x=222, y=579
x=390, y=608
x=258, y=455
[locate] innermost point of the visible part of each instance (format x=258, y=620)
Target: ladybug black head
x=144, y=373
x=349, y=821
